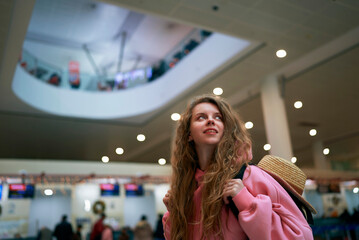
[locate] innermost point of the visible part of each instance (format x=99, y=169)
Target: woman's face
x=206, y=126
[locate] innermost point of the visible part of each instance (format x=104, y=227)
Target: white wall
x=160, y=191
x=352, y=200
x=90, y=192
x=14, y=216
x=135, y=207
x=28, y=215
x=48, y=210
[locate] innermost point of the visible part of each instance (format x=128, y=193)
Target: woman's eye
x=201, y=117
x=219, y=117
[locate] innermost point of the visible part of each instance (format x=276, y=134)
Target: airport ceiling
x=328, y=90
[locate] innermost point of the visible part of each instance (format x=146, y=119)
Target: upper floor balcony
x=71, y=92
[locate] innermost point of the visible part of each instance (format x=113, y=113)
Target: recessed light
x=175, y=116
x=267, y=147
x=293, y=160
x=355, y=190
x=298, y=104
x=141, y=137
x=281, y=53
x=248, y=125
x=48, y=192
x=312, y=132
x=161, y=161
x=326, y=151
x=218, y=91
x=119, y=151
x=105, y=159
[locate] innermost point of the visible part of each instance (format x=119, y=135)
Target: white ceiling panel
x=285, y=12
x=311, y=6
x=267, y=21
x=224, y=9
x=246, y=3
x=203, y=19
x=327, y=25
x=307, y=37
x=81, y=21
x=354, y=4
x=342, y=13
x=156, y=37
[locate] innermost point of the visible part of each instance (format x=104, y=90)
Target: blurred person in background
x=124, y=234
x=98, y=228
x=78, y=234
x=44, y=234
x=143, y=230
x=158, y=234
x=107, y=233
x=63, y=230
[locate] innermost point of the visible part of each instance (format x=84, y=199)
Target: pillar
x=320, y=161
x=275, y=119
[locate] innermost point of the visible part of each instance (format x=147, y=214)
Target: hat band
x=297, y=189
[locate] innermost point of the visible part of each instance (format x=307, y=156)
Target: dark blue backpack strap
x=241, y=172
x=231, y=204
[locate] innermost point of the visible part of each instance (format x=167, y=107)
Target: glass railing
x=51, y=74
x=56, y=76
x=40, y=69
x=123, y=80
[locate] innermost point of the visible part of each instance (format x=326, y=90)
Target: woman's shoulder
x=255, y=173
x=258, y=181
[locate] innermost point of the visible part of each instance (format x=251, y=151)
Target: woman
x=210, y=146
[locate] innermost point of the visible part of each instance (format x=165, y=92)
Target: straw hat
x=288, y=175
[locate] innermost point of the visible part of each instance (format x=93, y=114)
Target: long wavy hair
x=233, y=150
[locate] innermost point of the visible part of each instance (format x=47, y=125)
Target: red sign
x=131, y=187
x=74, y=73
x=107, y=186
x=17, y=187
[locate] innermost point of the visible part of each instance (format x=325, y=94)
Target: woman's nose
x=210, y=122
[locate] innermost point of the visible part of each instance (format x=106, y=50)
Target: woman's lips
x=210, y=131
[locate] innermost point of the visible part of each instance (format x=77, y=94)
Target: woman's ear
x=190, y=138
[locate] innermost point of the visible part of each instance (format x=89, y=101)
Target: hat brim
x=287, y=187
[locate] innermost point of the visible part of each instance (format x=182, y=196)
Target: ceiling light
x=119, y=151
x=175, y=116
x=218, y=91
x=141, y=137
x=267, y=147
x=312, y=132
x=281, y=53
x=355, y=190
x=248, y=125
x=105, y=159
x=326, y=151
x=161, y=161
x=298, y=104
x=293, y=160
x=48, y=192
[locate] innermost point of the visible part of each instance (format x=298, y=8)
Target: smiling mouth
x=210, y=131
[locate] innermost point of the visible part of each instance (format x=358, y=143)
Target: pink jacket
x=266, y=211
